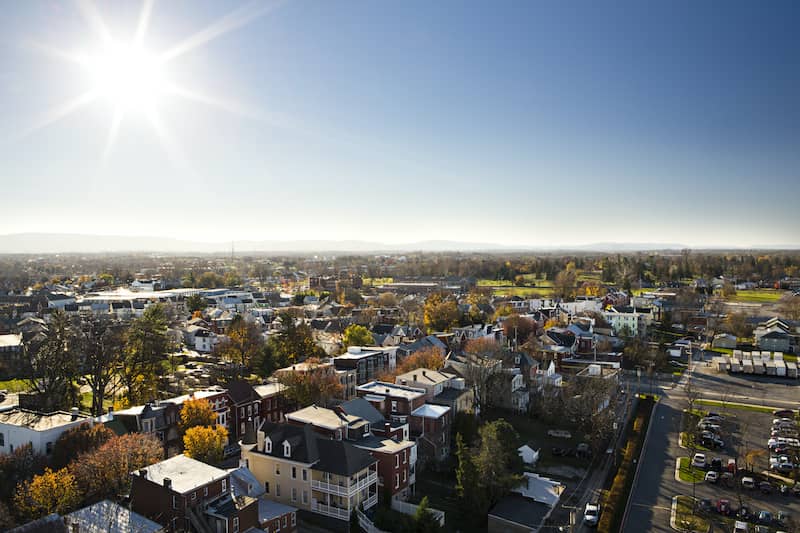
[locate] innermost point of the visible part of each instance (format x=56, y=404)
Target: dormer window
x=268, y=445
x=287, y=449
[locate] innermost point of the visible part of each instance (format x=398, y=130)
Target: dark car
x=744, y=513
x=782, y=518
x=764, y=517
x=784, y=413
x=705, y=505
x=765, y=487
x=716, y=464
x=724, y=506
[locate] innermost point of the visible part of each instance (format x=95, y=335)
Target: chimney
x=74, y=412
x=414, y=377
x=423, y=373
x=167, y=483
x=143, y=473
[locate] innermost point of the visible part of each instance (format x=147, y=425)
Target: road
x=651, y=499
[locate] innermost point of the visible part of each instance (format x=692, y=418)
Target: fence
x=411, y=509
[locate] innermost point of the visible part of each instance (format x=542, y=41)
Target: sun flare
x=126, y=76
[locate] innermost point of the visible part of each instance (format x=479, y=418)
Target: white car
x=699, y=460
x=712, y=476
x=591, y=514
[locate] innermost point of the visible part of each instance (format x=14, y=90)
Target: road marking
x=661, y=508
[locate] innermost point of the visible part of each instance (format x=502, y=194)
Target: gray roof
x=110, y=517
x=186, y=473
x=363, y=409
x=520, y=510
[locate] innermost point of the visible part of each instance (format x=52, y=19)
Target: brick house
x=245, y=403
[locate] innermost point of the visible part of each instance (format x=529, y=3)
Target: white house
x=21, y=426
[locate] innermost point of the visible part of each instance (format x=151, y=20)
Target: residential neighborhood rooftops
x=185, y=473
x=39, y=421
x=381, y=444
x=110, y=517
x=321, y=417
x=342, y=458
x=424, y=376
x=363, y=409
x=383, y=388
x=517, y=509
x=269, y=509
x=12, y=340
x=430, y=411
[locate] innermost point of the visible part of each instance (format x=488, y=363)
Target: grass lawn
x=726, y=351
x=686, y=440
x=441, y=492
x=741, y=407
x=14, y=385
x=765, y=296
x=790, y=358
x=688, y=473
x=685, y=517
x=523, y=292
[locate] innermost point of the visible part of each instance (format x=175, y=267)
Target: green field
x=733, y=405
x=686, y=518
x=14, y=385
x=762, y=296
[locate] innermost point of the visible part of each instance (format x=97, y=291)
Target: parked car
x=743, y=513
x=716, y=464
x=710, y=440
x=748, y=483
x=699, y=460
x=712, y=476
x=765, y=487
x=591, y=514
x=705, y=505
x=764, y=517
x=784, y=413
x=712, y=414
x=782, y=518
x=741, y=527
x=706, y=426
x=724, y=506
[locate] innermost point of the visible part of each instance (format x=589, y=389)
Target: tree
x=319, y=385
x=50, y=492
x=497, y=461
x=105, y=472
x=210, y=280
x=424, y=519
x=564, y=286
x=387, y=299
x=440, y=313
x=195, y=302
x=205, y=444
x=518, y=329
x=54, y=364
x=431, y=358
x=790, y=307
x=355, y=335
x=483, y=359
x=20, y=465
x=196, y=412
x=692, y=394
x=736, y=324
x=232, y=279
x=242, y=343
x=77, y=440
x=102, y=344
x=146, y=346
x=468, y=486
x=294, y=342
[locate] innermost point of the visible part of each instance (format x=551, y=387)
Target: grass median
x=739, y=406
x=689, y=473
x=685, y=519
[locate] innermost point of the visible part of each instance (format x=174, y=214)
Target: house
x=630, y=323
x=431, y=341
x=41, y=430
x=158, y=418
x=245, y=403
x=368, y=362
x=395, y=402
x=183, y=494
x=396, y=456
x=774, y=341
x=430, y=426
x=724, y=340
x=345, y=376
x=299, y=467
x=441, y=388
x=272, y=516
x=475, y=331
x=271, y=400
x=508, y=390
x=528, y=506
x=199, y=338
x=529, y=455
x=109, y=517
x=11, y=353
x=59, y=301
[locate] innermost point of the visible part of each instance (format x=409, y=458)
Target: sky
x=513, y=122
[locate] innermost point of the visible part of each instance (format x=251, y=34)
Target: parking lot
x=749, y=487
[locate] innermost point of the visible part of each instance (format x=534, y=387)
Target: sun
x=127, y=76
x=133, y=80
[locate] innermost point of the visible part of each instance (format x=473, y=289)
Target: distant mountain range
x=34, y=243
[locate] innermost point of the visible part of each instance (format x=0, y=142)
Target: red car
x=724, y=506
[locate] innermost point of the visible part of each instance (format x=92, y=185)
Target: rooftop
x=110, y=517
x=425, y=376
x=383, y=388
x=381, y=444
x=520, y=510
x=430, y=411
x=268, y=509
x=186, y=473
x=39, y=421
x=321, y=417
x=10, y=340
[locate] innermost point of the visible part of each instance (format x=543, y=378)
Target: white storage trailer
x=747, y=366
x=780, y=368
x=770, y=368
x=791, y=369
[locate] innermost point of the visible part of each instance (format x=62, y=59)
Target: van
x=741, y=527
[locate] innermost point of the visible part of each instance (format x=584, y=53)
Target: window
x=294, y=519
x=235, y=524
x=48, y=448
x=394, y=406
x=294, y=494
x=305, y=475
x=194, y=495
x=278, y=525
x=174, y=502
x=266, y=487
x=294, y=472
x=396, y=480
x=269, y=445
x=404, y=476
x=396, y=461
x=242, y=411
x=278, y=489
x=2, y=439
x=405, y=456
x=277, y=469
x=243, y=428
x=285, y=521
x=205, y=491
x=305, y=500
x=224, y=485
x=287, y=449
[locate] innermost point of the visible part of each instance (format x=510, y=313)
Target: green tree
x=205, y=444
x=232, y=279
x=565, y=284
x=497, y=460
x=355, y=335
x=195, y=302
x=424, y=520
x=294, y=342
x=54, y=364
x=468, y=486
x=146, y=347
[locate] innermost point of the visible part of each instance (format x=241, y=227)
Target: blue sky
x=523, y=123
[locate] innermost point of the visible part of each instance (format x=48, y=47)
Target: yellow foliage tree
x=196, y=412
x=205, y=444
x=50, y=492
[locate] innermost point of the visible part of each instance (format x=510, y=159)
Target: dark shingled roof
x=363, y=409
x=52, y=523
x=521, y=510
x=241, y=392
x=342, y=458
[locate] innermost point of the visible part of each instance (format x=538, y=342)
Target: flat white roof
x=186, y=473
x=430, y=411
x=390, y=389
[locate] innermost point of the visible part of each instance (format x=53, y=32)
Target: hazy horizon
x=521, y=125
